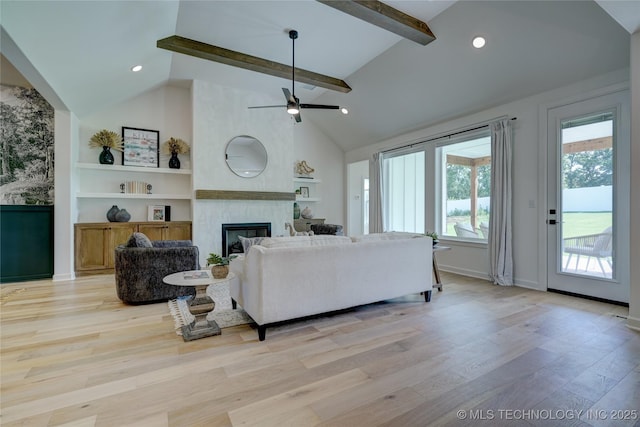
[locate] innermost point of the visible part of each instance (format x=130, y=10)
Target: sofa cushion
x=304, y=241
x=139, y=240
x=247, y=242
x=390, y=235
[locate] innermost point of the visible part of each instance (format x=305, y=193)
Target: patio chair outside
x=597, y=246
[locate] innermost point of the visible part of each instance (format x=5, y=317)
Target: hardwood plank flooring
x=73, y=355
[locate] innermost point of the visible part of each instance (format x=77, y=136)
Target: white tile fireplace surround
x=209, y=215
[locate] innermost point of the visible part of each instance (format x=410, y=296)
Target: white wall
x=529, y=198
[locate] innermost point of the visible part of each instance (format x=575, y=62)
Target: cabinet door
x=178, y=231
x=91, y=247
x=153, y=231
x=118, y=235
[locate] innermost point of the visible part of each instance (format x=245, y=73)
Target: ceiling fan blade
x=269, y=106
x=320, y=106
x=288, y=95
x=297, y=117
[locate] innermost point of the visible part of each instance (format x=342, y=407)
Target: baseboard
x=63, y=277
x=633, y=323
x=463, y=272
x=534, y=286
x=484, y=276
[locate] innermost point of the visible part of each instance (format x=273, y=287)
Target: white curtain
x=500, y=245
x=375, y=194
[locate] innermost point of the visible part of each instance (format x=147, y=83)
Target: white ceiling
x=84, y=50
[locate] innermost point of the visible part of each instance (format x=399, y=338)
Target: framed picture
x=141, y=147
x=304, y=191
x=155, y=213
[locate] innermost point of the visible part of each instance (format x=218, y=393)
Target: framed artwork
x=155, y=213
x=304, y=191
x=141, y=147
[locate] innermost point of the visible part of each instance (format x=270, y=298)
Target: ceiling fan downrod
x=292, y=104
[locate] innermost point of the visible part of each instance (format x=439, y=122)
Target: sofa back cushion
x=304, y=241
x=390, y=235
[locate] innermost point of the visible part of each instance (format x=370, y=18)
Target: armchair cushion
x=139, y=270
x=138, y=240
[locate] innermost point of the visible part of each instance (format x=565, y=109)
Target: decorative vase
x=111, y=213
x=123, y=216
x=306, y=213
x=220, y=271
x=106, y=158
x=296, y=211
x=174, y=161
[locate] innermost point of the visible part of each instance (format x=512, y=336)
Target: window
x=465, y=193
x=403, y=189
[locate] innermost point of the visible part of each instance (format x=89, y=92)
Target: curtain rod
x=470, y=128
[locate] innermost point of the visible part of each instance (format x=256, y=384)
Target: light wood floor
x=74, y=355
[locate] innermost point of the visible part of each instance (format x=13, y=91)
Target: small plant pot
x=219, y=271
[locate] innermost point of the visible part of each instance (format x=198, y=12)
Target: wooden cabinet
x=166, y=230
x=95, y=242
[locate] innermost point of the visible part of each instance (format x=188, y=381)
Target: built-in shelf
x=307, y=199
x=309, y=180
x=120, y=168
x=132, y=196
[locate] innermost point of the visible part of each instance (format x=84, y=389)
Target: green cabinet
x=26, y=243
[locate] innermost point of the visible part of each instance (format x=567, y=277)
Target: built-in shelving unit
x=120, y=168
x=99, y=187
x=132, y=196
x=313, y=189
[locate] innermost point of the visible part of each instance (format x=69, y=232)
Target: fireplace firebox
x=230, y=233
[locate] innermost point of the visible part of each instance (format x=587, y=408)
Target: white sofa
x=292, y=277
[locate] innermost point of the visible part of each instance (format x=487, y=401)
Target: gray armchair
x=140, y=266
x=334, y=229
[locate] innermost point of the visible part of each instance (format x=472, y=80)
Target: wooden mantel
x=243, y=195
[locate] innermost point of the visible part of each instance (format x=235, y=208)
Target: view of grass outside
x=575, y=223
x=583, y=223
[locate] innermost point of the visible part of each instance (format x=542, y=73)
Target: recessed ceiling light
x=478, y=42
x=136, y=68
x=344, y=110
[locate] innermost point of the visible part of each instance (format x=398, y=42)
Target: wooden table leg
x=436, y=274
x=200, y=306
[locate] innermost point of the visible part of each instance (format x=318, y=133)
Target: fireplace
x=230, y=232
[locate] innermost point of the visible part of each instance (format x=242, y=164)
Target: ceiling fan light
x=292, y=108
x=344, y=110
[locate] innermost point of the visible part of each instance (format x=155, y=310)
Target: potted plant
x=219, y=265
x=107, y=140
x=434, y=236
x=175, y=146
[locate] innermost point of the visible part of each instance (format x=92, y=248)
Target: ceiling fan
x=293, y=105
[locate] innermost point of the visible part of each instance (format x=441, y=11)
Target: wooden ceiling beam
x=387, y=17
x=253, y=63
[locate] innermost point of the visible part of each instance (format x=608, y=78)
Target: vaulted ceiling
x=83, y=50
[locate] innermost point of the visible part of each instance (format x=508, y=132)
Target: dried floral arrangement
x=175, y=145
x=106, y=138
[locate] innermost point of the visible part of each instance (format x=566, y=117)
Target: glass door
x=588, y=198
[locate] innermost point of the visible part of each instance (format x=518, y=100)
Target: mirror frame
x=256, y=148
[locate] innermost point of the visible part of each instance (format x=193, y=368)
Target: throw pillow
x=139, y=240
x=247, y=242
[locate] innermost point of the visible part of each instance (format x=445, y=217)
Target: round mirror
x=246, y=156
